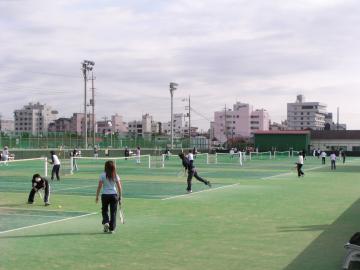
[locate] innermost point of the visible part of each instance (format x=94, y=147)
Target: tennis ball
x=59, y=206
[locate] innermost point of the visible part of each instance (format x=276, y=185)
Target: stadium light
x=173, y=87
x=87, y=66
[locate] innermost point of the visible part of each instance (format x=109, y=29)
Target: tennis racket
x=121, y=214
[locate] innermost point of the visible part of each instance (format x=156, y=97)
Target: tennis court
x=256, y=216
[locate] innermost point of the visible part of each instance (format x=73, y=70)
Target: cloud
x=220, y=52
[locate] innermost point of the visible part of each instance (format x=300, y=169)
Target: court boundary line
x=311, y=169
x=194, y=193
x=287, y=173
x=46, y=223
x=36, y=209
x=27, y=215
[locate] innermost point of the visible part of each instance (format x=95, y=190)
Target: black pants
x=194, y=173
x=344, y=159
x=323, y=160
x=333, y=165
x=55, y=170
x=300, y=172
x=106, y=200
x=46, y=195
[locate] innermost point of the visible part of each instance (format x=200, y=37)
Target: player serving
x=188, y=163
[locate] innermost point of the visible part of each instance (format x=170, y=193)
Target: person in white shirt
x=109, y=183
x=5, y=155
x=323, y=157
x=56, y=165
x=299, y=165
x=138, y=155
x=333, y=161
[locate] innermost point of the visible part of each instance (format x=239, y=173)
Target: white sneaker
x=189, y=191
x=106, y=227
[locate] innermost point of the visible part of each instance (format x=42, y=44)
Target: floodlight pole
x=86, y=66
x=189, y=123
x=172, y=89
x=93, y=107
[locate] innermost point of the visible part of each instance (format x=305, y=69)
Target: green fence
x=70, y=140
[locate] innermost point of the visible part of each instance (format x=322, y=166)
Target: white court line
x=46, y=223
x=190, y=194
x=37, y=209
x=62, y=189
x=26, y=215
x=313, y=168
x=288, y=173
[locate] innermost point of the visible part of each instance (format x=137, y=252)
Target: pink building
x=241, y=121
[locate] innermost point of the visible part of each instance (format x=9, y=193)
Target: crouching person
x=39, y=183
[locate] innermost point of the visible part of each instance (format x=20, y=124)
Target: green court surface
x=256, y=216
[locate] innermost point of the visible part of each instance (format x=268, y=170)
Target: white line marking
x=283, y=174
x=62, y=189
x=190, y=194
x=37, y=209
x=46, y=223
x=26, y=215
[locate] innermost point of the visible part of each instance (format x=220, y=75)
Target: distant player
x=110, y=184
x=138, y=155
x=232, y=153
x=96, y=152
x=194, y=152
x=56, y=166
x=189, y=166
x=39, y=183
x=5, y=156
x=126, y=153
x=323, y=157
x=299, y=165
x=167, y=153
x=343, y=155
x=75, y=154
x=333, y=161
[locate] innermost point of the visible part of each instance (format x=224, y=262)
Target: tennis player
x=110, y=184
x=5, y=155
x=138, y=155
x=56, y=165
x=39, y=183
x=189, y=166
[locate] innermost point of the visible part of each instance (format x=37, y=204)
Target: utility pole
x=86, y=67
x=225, y=127
x=92, y=103
x=188, y=107
x=337, y=119
x=189, y=123
x=173, y=87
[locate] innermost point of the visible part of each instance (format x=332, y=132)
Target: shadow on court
x=327, y=251
x=51, y=235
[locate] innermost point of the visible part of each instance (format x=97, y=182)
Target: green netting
x=227, y=158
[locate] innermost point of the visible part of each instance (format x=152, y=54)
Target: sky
x=261, y=52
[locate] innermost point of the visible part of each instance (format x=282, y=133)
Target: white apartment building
x=34, y=118
x=142, y=127
x=77, y=123
x=241, y=121
x=178, y=125
x=7, y=126
x=305, y=115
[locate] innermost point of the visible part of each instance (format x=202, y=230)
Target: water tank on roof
x=300, y=98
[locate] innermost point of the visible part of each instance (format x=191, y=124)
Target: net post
x=71, y=165
x=270, y=154
x=163, y=160
x=46, y=167
x=149, y=161
x=207, y=158
x=216, y=159
x=240, y=158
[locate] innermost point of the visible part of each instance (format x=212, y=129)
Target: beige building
x=34, y=118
